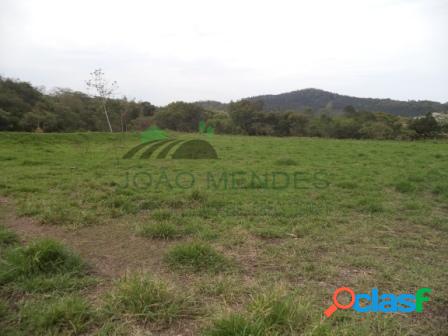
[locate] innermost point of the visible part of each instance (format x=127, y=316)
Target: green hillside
x=320, y=100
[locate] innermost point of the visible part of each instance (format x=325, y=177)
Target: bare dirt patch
x=111, y=249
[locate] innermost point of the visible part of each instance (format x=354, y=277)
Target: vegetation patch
x=146, y=300
x=302, y=234
x=42, y=257
x=270, y=232
x=235, y=325
x=196, y=256
x=286, y=162
x=160, y=230
x=273, y=314
x=404, y=187
x=7, y=238
x=441, y=189
x=57, y=283
x=161, y=215
x=68, y=315
x=197, y=196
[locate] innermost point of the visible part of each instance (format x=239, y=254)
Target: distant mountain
x=320, y=101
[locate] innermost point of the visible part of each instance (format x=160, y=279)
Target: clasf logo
x=384, y=303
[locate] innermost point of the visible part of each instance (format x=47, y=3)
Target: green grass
x=43, y=266
x=70, y=315
x=281, y=313
x=286, y=162
x=197, y=257
x=7, y=238
x=309, y=214
x=146, y=300
x=235, y=325
x=42, y=257
x=404, y=187
x=162, y=230
x=41, y=272
x=277, y=313
x=268, y=314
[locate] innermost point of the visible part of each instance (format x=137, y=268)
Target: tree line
x=248, y=117
x=25, y=108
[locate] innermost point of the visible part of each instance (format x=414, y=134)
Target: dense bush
x=180, y=116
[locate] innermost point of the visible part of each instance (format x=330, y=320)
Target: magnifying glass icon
x=330, y=310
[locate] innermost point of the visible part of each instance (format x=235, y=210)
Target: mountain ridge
x=330, y=102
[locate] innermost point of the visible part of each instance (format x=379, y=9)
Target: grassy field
x=253, y=243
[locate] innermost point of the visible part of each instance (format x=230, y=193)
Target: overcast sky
x=169, y=50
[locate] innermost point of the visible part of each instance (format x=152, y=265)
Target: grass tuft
x=4, y=310
x=162, y=230
x=161, y=215
x=146, y=300
x=286, y=162
x=197, y=257
x=197, y=196
x=404, y=187
x=281, y=312
x=235, y=325
x=45, y=257
x=7, y=238
x=440, y=189
x=267, y=315
x=58, y=316
x=61, y=283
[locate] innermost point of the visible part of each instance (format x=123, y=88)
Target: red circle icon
x=343, y=289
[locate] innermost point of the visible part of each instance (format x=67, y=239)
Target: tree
x=245, y=113
x=298, y=124
x=426, y=126
x=376, y=130
x=104, y=90
x=7, y=120
x=147, y=108
x=180, y=116
x=346, y=128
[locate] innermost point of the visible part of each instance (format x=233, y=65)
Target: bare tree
x=103, y=88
